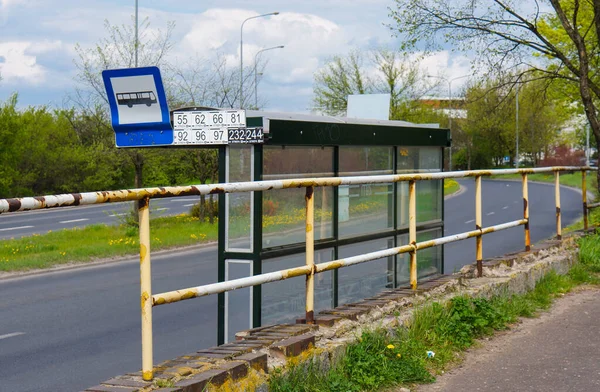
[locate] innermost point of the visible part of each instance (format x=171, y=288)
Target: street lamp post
x=137, y=41
x=255, y=78
x=449, y=81
x=242, y=54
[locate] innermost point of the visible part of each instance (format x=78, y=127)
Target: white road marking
x=470, y=221
x=16, y=228
x=162, y=209
x=183, y=200
x=505, y=207
x=115, y=215
x=490, y=213
x=74, y=220
x=10, y=335
x=188, y=205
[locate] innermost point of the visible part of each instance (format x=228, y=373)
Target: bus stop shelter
x=261, y=232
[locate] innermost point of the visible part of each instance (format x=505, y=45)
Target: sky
x=38, y=40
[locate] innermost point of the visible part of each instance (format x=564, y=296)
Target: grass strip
x=435, y=336
x=450, y=186
x=100, y=241
x=566, y=178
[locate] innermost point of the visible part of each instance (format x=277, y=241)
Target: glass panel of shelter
x=362, y=210
x=239, y=207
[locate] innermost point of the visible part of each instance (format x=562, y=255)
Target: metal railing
x=143, y=196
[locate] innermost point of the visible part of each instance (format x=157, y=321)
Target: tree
x=381, y=71
x=557, y=40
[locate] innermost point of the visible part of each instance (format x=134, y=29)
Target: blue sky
x=38, y=38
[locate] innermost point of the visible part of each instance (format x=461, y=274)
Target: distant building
x=454, y=108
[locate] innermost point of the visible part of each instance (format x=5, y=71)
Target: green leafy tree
x=555, y=40
x=379, y=72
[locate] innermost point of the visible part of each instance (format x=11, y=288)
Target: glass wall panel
x=364, y=280
x=239, y=205
x=365, y=208
x=429, y=261
x=284, y=301
x=284, y=210
x=429, y=193
x=238, y=303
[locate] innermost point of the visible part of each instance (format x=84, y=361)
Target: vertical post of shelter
x=310, y=254
x=584, y=196
x=557, y=199
x=146, y=287
x=412, y=231
x=478, y=226
x=526, y=213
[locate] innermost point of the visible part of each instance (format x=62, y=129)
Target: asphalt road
x=70, y=330
x=502, y=201
x=26, y=223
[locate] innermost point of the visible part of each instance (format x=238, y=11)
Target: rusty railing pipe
x=478, y=225
x=145, y=288
x=526, y=213
x=310, y=255
x=584, y=197
x=557, y=200
x=412, y=231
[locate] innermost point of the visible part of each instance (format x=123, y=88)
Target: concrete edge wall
x=244, y=364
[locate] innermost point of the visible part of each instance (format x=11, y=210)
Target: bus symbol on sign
x=136, y=98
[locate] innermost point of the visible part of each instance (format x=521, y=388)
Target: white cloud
x=306, y=38
x=19, y=65
x=39, y=39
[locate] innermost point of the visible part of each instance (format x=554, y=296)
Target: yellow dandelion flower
x=399, y=355
x=391, y=346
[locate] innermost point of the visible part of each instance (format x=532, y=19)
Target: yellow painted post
x=557, y=199
x=412, y=231
x=584, y=193
x=146, y=288
x=478, y=226
x=526, y=213
x=310, y=254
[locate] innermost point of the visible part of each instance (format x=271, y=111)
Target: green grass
x=568, y=179
x=450, y=186
x=380, y=359
x=100, y=241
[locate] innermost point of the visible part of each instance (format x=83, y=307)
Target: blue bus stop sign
x=138, y=107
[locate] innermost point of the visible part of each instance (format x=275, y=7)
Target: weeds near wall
x=435, y=336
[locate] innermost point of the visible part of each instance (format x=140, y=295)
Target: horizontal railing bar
x=280, y=176
x=221, y=287
x=88, y=198
x=469, y=234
